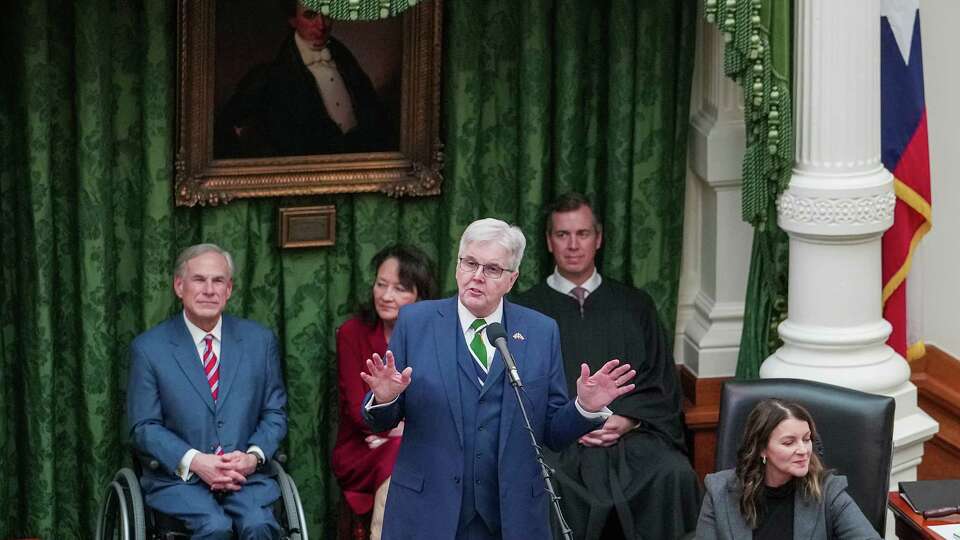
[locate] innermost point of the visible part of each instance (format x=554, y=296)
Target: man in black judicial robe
x=631, y=478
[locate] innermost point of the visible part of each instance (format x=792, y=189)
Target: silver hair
x=510, y=237
x=194, y=251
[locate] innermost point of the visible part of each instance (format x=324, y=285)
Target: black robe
x=646, y=477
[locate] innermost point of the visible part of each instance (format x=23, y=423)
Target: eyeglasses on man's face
x=491, y=271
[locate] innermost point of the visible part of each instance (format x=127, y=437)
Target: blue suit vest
x=481, y=439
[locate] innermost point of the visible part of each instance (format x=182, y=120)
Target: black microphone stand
x=545, y=469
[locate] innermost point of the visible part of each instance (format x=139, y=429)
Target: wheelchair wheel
x=301, y=518
x=121, y=514
x=295, y=522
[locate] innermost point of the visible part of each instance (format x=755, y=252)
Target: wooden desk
x=911, y=525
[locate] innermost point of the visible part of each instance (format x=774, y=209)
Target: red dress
x=359, y=470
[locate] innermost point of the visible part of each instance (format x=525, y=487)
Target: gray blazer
x=720, y=516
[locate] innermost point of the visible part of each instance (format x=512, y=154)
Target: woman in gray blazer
x=779, y=489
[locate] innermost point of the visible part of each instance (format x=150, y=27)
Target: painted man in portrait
x=313, y=98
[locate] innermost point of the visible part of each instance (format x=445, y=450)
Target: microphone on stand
x=498, y=338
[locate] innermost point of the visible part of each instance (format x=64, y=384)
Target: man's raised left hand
x=594, y=392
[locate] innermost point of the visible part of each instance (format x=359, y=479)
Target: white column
x=716, y=241
x=839, y=203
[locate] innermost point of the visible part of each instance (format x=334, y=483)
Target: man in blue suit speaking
x=466, y=468
x=206, y=400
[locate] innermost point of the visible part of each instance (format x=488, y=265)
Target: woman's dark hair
x=415, y=272
x=763, y=419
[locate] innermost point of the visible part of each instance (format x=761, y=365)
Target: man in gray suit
x=206, y=400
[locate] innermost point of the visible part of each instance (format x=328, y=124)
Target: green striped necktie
x=476, y=344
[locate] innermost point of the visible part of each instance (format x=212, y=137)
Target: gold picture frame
x=413, y=167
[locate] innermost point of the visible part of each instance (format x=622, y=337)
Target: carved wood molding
x=937, y=377
x=701, y=410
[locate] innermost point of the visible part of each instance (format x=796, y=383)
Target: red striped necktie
x=211, y=366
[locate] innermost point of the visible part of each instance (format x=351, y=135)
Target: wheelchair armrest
x=144, y=460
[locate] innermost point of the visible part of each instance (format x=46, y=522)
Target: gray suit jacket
x=720, y=516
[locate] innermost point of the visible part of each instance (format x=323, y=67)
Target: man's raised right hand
x=384, y=380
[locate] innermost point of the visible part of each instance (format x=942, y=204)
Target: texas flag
x=903, y=124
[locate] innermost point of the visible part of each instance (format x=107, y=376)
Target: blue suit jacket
x=169, y=406
x=425, y=488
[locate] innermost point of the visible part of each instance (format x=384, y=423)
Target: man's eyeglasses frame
x=470, y=266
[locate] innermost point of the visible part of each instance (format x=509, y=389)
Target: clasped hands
x=224, y=473
x=375, y=441
x=594, y=392
x=609, y=434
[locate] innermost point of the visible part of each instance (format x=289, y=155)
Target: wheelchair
x=123, y=515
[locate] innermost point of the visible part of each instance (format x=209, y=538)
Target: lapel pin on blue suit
x=518, y=336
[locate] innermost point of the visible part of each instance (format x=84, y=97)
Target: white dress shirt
x=564, y=286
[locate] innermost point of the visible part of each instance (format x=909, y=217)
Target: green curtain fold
x=563, y=94
x=759, y=55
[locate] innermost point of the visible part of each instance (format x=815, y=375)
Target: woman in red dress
x=363, y=461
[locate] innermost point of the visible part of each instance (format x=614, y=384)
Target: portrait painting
x=277, y=99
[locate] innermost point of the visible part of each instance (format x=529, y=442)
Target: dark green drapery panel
x=759, y=55
x=540, y=97
x=85, y=239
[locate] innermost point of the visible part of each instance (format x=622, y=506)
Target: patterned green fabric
x=758, y=55
x=766, y=302
x=562, y=95
x=360, y=10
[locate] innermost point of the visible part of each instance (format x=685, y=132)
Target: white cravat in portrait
x=336, y=98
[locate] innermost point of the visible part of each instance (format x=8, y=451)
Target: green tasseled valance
x=762, y=67
x=360, y=10
x=758, y=56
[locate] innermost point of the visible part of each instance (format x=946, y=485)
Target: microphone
x=498, y=337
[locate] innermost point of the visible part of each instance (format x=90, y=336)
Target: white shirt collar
x=467, y=318
x=307, y=53
x=563, y=285
x=198, y=333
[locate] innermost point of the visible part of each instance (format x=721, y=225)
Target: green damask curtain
x=541, y=96
x=758, y=55
x=86, y=234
